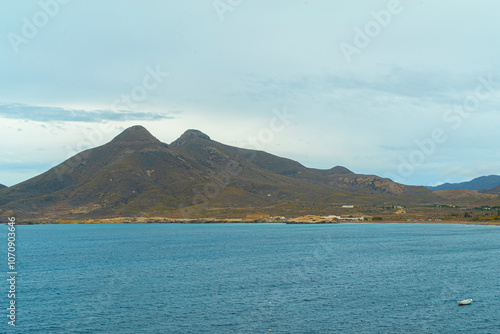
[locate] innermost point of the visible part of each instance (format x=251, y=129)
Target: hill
x=2, y=186
x=464, y=194
x=480, y=183
x=494, y=191
x=137, y=175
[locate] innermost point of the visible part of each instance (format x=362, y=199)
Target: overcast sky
x=403, y=89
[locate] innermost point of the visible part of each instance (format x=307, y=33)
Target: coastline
x=292, y=221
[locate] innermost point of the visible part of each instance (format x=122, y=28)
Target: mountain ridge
x=478, y=183
x=135, y=174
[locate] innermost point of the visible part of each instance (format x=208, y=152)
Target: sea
x=254, y=278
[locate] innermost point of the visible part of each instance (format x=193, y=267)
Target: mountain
x=133, y=171
x=480, y=183
x=2, y=186
x=137, y=175
x=338, y=179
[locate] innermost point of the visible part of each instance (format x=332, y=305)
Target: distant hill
x=2, y=186
x=480, y=183
x=137, y=175
x=494, y=191
x=455, y=194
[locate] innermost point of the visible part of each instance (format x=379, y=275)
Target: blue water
x=252, y=278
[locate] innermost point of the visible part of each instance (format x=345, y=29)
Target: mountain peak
x=190, y=135
x=335, y=170
x=339, y=170
x=134, y=134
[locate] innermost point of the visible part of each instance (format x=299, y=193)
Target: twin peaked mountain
x=137, y=175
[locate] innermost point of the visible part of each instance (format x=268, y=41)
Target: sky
x=406, y=89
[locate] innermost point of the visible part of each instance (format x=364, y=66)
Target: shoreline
x=241, y=221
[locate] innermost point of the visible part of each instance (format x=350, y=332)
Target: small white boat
x=465, y=302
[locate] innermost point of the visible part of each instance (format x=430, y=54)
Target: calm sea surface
x=253, y=278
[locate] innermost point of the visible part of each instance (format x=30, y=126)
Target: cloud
x=56, y=114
